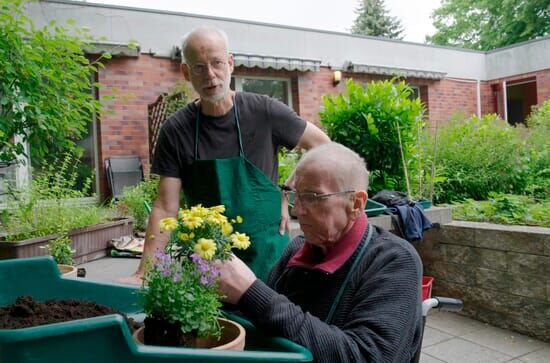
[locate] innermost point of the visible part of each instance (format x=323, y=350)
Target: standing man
x=222, y=149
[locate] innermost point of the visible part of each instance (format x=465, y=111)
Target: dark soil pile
x=27, y=312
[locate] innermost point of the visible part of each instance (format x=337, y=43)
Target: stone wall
x=502, y=273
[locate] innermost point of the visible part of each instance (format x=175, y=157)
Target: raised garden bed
x=107, y=338
x=90, y=243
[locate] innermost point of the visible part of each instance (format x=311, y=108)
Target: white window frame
x=239, y=84
x=417, y=88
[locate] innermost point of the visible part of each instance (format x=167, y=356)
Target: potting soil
x=27, y=312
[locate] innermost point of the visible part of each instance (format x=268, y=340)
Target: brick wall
x=502, y=273
x=136, y=83
x=541, y=77
x=123, y=129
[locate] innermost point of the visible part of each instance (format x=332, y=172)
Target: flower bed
x=89, y=243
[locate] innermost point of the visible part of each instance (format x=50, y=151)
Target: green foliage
x=287, y=164
x=177, y=97
x=538, y=152
x=51, y=204
x=505, y=209
x=133, y=199
x=477, y=156
x=45, y=83
x=367, y=121
x=373, y=19
x=184, y=292
x=489, y=24
x=61, y=251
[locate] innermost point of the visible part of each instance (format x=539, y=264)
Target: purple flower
x=205, y=280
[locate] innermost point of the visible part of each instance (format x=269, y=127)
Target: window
x=278, y=88
x=415, y=92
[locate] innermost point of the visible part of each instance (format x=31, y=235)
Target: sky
x=334, y=15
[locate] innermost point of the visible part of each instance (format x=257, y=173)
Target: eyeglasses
x=199, y=69
x=309, y=198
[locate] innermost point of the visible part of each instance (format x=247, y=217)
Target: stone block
x=454, y=233
x=491, y=259
x=452, y=273
x=507, y=240
x=493, y=279
x=530, y=264
x=457, y=254
x=527, y=285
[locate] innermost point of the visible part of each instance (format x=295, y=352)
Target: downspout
x=504, y=101
x=478, y=98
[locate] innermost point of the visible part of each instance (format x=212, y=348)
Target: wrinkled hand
x=135, y=279
x=284, y=216
x=235, y=278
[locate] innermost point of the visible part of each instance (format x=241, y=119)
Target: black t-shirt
x=266, y=124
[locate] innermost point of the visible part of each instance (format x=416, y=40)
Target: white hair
x=344, y=165
x=201, y=30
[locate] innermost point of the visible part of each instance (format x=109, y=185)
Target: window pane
x=273, y=88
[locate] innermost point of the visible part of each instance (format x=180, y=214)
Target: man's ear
x=231, y=62
x=360, y=200
x=185, y=70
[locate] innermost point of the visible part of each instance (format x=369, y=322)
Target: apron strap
x=237, y=122
x=348, y=277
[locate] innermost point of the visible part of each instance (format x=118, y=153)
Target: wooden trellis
x=158, y=112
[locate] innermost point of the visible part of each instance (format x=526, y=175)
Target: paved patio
x=449, y=337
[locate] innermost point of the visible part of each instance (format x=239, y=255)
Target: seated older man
x=347, y=290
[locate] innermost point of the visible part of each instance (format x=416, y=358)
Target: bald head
x=344, y=166
x=203, y=35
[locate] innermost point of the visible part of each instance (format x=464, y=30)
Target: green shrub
x=538, y=156
x=369, y=121
x=478, y=156
x=133, y=199
x=51, y=205
x=287, y=164
x=61, y=251
x=505, y=209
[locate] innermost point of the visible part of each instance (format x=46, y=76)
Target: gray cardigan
x=379, y=316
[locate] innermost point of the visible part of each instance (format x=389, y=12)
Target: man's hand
x=135, y=279
x=235, y=279
x=284, y=215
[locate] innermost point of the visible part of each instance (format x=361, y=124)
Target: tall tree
x=373, y=20
x=489, y=24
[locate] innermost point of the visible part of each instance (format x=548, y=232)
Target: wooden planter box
x=90, y=243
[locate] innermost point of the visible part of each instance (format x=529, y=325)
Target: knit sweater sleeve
x=379, y=326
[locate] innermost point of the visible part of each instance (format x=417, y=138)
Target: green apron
x=245, y=191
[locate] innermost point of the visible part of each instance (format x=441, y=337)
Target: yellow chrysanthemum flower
x=216, y=218
x=240, y=240
x=205, y=248
x=199, y=211
x=186, y=236
x=183, y=214
x=168, y=224
x=239, y=219
x=193, y=222
x=218, y=208
x=227, y=228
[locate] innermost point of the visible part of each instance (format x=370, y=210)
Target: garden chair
x=123, y=171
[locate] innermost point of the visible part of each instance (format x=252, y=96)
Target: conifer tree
x=373, y=19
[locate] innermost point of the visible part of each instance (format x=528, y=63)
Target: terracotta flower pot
x=232, y=337
x=67, y=270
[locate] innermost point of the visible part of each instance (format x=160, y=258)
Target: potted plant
x=61, y=251
x=180, y=289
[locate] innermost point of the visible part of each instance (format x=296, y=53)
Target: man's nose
x=210, y=71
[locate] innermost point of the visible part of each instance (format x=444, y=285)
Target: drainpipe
x=504, y=101
x=478, y=98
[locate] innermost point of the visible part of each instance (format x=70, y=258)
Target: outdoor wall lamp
x=336, y=77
